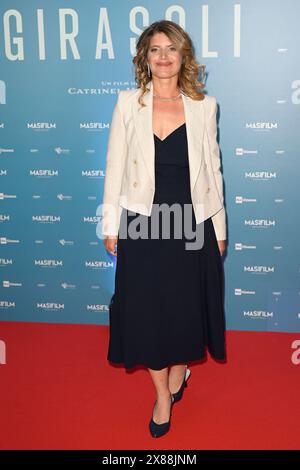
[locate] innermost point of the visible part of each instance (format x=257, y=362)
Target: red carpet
x=59, y=392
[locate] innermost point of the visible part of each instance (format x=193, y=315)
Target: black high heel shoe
x=178, y=395
x=158, y=430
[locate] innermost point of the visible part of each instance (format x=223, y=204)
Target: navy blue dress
x=167, y=305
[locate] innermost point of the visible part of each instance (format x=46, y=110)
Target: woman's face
x=163, y=57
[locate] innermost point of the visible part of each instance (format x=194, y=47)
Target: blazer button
x=208, y=189
x=135, y=184
x=134, y=161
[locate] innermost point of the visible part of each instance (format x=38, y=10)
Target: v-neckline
x=163, y=140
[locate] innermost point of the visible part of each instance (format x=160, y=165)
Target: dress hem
x=185, y=361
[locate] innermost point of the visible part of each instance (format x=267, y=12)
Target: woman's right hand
x=109, y=243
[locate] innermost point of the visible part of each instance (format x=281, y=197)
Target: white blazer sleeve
x=115, y=164
x=219, y=219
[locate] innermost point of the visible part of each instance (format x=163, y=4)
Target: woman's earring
x=149, y=71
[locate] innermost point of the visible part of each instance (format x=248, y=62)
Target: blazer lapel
x=194, y=118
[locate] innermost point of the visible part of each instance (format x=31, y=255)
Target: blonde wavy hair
x=189, y=71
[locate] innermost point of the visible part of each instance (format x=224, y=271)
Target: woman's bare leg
x=176, y=375
x=161, y=412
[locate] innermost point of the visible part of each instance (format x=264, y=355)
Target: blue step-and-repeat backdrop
x=62, y=64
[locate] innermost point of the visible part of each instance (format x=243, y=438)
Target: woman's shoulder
x=124, y=96
x=130, y=92
x=210, y=103
x=210, y=100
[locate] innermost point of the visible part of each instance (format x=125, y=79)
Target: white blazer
x=130, y=169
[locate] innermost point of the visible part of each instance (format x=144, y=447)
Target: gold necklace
x=167, y=99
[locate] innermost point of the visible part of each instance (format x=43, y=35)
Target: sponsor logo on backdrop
x=93, y=173
x=41, y=126
x=261, y=175
x=46, y=219
x=241, y=151
x=259, y=269
x=242, y=246
x=6, y=261
x=66, y=286
x=43, y=173
x=262, y=126
x=238, y=291
x=61, y=151
x=94, y=126
x=265, y=223
x=48, y=263
x=11, y=284
x=7, y=304
x=54, y=306
x=261, y=314
x=93, y=219
x=7, y=241
x=97, y=307
x=99, y=264
x=63, y=197
x=241, y=199
x=64, y=242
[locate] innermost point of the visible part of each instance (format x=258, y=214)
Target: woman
x=162, y=151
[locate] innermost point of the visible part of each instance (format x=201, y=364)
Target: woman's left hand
x=222, y=246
